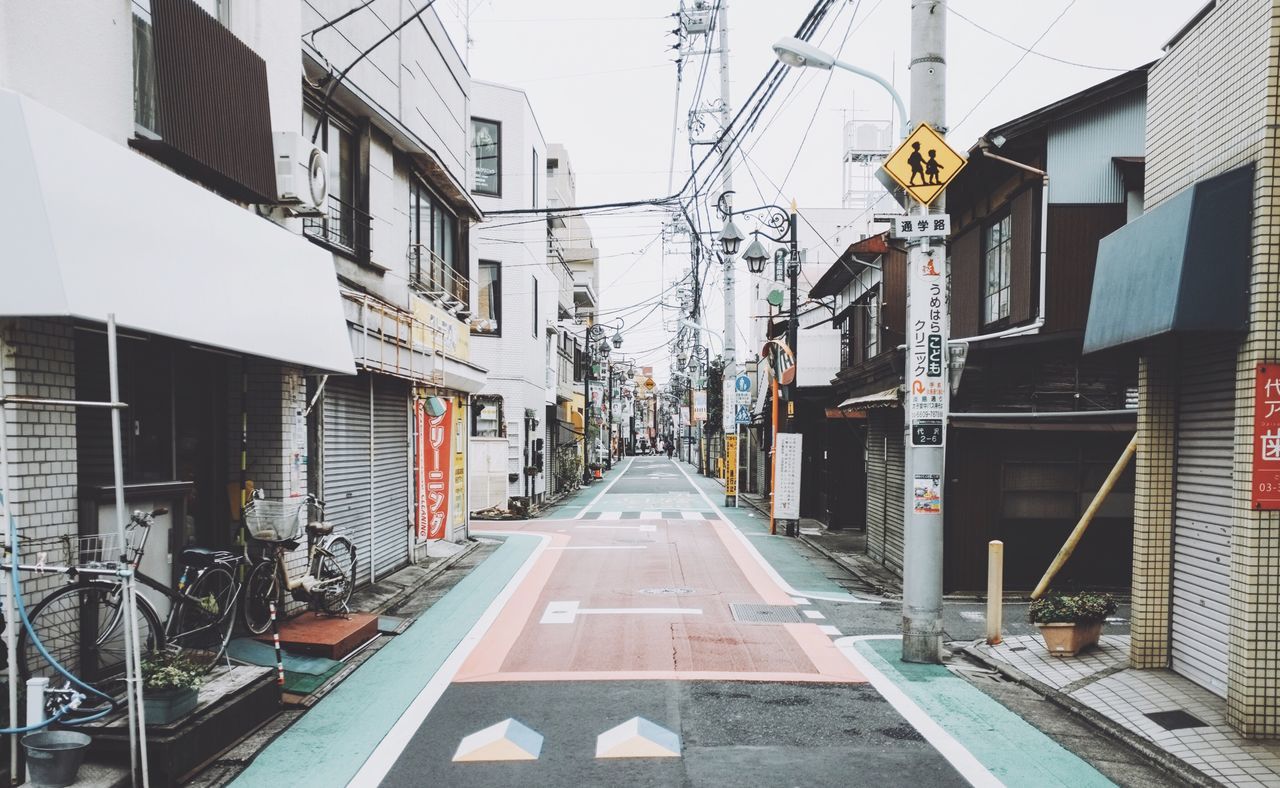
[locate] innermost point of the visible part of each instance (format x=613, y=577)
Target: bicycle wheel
x=82, y=628
x=201, y=620
x=260, y=588
x=335, y=569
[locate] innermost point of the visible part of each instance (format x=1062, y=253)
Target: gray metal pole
x=726, y=186
x=922, y=560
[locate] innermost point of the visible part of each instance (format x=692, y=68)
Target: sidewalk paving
x=1130, y=703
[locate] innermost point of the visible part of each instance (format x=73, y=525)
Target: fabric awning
x=889, y=398
x=91, y=227
x=1182, y=267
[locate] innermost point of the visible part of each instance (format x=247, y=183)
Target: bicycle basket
x=275, y=521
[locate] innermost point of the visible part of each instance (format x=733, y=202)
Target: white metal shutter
x=346, y=464
x=391, y=480
x=1202, y=513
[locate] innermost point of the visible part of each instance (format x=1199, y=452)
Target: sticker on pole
x=924, y=164
x=926, y=494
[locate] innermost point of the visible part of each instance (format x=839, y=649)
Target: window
x=486, y=144
x=488, y=318
x=869, y=314
x=535, y=307
x=436, y=266
x=534, y=177
x=845, y=327
x=997, y=246
x=486, y=417
x=342, y=225
x=145, y=116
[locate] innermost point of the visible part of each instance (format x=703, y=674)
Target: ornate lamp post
x=781, y=228
x=595, y=347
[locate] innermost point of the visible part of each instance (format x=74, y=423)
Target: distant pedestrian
x=669, y=448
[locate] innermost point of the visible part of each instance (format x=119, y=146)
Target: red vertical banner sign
x=1266, y=437
x=435, y=458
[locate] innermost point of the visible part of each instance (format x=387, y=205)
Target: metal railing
x=436, y=278
x=344, y=226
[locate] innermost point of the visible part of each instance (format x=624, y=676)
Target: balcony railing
x=344, y=226
x=437, y=279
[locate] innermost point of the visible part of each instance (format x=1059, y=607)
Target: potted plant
x=1070, y=623
x=170, y=687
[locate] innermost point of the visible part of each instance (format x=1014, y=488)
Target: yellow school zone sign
x=924, y=164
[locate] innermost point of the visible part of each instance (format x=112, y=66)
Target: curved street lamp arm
x=897, y=99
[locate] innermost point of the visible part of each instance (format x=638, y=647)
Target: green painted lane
x=329, y=744
x=1014, y=751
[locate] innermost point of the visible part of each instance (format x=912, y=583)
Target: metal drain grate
x=1176, y=720
x=765, y=614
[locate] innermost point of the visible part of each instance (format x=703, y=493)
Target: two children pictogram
x=929, y=171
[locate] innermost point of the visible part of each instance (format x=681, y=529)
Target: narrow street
x=643, y=598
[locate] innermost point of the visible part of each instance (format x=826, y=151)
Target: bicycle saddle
x=203, y=557
x=319, y=528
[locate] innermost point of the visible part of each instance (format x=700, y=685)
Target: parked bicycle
x=331, y=560
x=81, y=624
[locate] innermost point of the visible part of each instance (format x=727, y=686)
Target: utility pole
x=925, y=451
x=730, y=289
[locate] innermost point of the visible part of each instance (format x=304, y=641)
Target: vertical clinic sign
x=435, y=460
x=1266, y=438
x=731, y=464
x=926, y=390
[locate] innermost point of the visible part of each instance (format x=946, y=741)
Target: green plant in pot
x=1071, y=623
x=170, y=687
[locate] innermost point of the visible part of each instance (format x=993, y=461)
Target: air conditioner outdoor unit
x=302, y=174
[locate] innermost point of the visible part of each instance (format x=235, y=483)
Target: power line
x=1031, y=51
x=1017, y=63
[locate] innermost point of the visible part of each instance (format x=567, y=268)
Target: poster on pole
x=786, y=494
x=926, y=348
x=435, y=459
x=731, y=464
x=700, y=405
x=727, y=398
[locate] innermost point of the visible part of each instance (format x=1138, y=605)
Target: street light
x=617, y=338
x=756, y=256
x=730, y=237
x=801, y=54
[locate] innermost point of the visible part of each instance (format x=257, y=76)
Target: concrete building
x=520, y=276
x=1193, y=285
x=245, y=308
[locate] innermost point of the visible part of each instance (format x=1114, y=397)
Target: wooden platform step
x=326, y=636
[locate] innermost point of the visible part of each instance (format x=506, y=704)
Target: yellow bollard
x=995, y=590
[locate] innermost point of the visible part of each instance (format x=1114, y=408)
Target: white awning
x=89, y=227
x=888, y=398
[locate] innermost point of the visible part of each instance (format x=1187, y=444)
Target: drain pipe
x=984, y=146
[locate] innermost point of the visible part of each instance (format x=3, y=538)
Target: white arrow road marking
x=645, y=528
x=565, y=612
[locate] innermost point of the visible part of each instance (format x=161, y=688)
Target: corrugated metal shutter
x=885, y=487
x=391, y=481
x=346, y=464
x=1202, y=514
x=894, y=485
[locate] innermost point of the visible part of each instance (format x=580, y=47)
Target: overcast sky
x=602, y=81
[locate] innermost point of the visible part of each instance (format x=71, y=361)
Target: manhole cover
x=674, y=591
x=765, y=614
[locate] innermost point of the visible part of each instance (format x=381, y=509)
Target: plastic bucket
x=54, y=757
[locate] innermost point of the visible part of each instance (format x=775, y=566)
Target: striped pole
x=275, y=636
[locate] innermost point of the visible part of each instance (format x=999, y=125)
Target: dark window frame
x=536, y=174
x=343, y=209
x=497, y=124
x=458, y=262
x=497, y=304
x=869, y=320
x=535, y=307
x=1004, y=252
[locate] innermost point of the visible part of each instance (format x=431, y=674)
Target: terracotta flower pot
x=1067, y=640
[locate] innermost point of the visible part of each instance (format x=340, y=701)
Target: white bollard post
x=35, y=703
x=995, y=590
